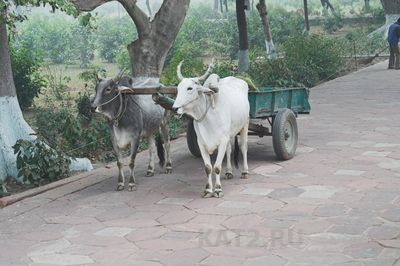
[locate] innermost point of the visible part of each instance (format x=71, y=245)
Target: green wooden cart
x=273, y=112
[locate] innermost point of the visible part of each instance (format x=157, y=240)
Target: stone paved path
x=336, y=203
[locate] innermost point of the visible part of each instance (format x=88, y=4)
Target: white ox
x=217, y=118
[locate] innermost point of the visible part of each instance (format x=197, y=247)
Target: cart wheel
x=191, y=140
x=285, y=134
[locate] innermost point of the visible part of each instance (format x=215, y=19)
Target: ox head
x=106, y=100
x=189, y=91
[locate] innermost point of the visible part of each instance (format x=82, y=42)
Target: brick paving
x=336, y=203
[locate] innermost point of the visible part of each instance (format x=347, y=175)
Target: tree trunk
x=243, y=38
x=326, y=4
x=12, y=123
x=392, y=13
x=155, y=37
x=148, y=7
x=269, y=44
x=216, y=6
x=226, y=6
x=367, y=6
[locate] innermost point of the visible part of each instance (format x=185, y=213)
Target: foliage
x=72, y=134
x=307, y=60
x=313, y=58
x=114, y=35
x=39, y=164
x=27, y=77
x=10, y=12
x=332, y=23
x=56, y=82
x=123, y=59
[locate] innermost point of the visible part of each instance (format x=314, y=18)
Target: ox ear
x=205, y=90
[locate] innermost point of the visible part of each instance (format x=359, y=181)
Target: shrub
x=74, y=135
x=38, y=163
x=332, y=23
x=312, y=58
x=27, y=77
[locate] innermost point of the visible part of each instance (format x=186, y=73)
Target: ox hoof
x=149, y=173
x=245, y=176
x=218, y=193
x=168, y=171
x=208, y=194
x=120, y=187
x=131, y=187
x=228, y=176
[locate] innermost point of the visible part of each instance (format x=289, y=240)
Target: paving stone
x=349, y=229
x=185, y=257
x=174, y=217
x=286, y=192
x=267, y=169
x=214, y=260
x=384, y=232
x=257, y=191
x=304, y=149
x=175, y=201
x=330, y=210
x=339, y=143
x=386, y=145
x=265, y=260
x=176, y=235
x=349, y=172
x=244, y=222
x=114, y=231
x=363, y=250
x=234, y=204
x=390, y=164
x=62, y=259
x=309, y=227
x=392, y=215
x=377, y=153
x=318, y=192
x=392, y=243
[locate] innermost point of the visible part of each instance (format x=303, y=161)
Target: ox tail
x=236, y=153
x=160, y=150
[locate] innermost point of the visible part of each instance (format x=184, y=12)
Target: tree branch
x=140, y=18
x=170, y=16
x=88, y=5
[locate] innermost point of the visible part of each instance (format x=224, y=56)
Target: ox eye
x=190, y=88
x=108, y=89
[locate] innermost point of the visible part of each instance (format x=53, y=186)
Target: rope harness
x=121, y=110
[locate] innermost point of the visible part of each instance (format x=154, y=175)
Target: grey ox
x=130, y=117
x=220, y=110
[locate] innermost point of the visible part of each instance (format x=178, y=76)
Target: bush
x=38, y=163
x=73, y=134
x=313, y=58
x=27, y=77
x=332, y=23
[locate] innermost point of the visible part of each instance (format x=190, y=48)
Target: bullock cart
x=273, y=112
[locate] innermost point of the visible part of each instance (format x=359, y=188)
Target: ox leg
x=243, y=148
x=208, y=191
x=134, y=148
x=165, y=134
x=152, y=148
x=229, y=172
x=217, y=169
x=121, y=178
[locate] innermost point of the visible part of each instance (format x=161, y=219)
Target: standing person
x=393, y=40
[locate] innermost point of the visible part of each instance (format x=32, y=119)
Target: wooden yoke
x=147, y=91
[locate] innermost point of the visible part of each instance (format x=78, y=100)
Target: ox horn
x=208, y=72
x=179, y=71
x=120, y=74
